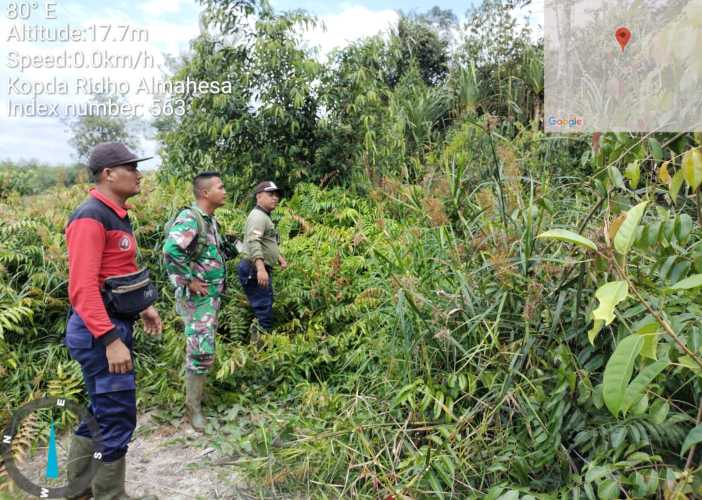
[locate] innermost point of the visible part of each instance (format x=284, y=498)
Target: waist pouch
x=125, y=296
x=231, y=247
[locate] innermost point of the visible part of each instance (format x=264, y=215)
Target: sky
x=171, y=24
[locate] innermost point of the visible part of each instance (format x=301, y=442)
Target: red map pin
x=623, y=35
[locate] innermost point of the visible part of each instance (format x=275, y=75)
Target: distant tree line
x=32, y=177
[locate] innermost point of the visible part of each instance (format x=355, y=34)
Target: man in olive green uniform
x=195, y=263
x=261, y=254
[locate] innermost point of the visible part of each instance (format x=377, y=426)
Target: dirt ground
x=177, y=463
x=172, y=462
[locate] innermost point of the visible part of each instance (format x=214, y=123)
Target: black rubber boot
x=194, y=386
x=80, y=456
x=108, y=483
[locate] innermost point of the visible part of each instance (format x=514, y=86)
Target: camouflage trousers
x=199, y=315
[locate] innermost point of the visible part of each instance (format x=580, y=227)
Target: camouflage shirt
x=261, y=238
x=209, y=265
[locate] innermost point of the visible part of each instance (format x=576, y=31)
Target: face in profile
x=124, y=180
x=268, y=200
x=216, y=192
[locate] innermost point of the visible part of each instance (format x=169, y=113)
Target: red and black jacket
x=100, y=244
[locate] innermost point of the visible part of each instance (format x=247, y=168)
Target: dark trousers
x=112, y=395
x=261, y=299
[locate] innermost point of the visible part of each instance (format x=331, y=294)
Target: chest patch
x=124, y=243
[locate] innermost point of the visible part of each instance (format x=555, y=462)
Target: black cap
x=268, y=187
x=111, y=154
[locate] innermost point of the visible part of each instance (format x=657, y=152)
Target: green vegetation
x=28, y=178
x=472, y=308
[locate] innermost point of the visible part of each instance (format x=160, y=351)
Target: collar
x=120, y=211
x=262, y=210
x=202, y=212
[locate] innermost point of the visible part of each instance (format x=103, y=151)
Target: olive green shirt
x=260, y=238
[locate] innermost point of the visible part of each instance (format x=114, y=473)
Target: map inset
x=623, y=65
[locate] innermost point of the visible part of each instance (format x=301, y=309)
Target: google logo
x=574, y=121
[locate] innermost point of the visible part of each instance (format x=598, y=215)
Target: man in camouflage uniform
x=197, y=271
x=261, y=254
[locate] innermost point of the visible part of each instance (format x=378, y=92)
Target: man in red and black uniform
x=100, y=245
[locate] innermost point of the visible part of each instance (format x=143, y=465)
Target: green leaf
x=510, y=495
x=693, y=437
x=659, y=411
x=638, y=386
x=640, y=408
x=608, y=489
x=682, y=228
x=597, y=396
x=656, y=149
x=627, y=232
x=568, y=236
x=649, y=329
x=494, y=492
x=617, y=373
x=653, y=233
x=633, y=173
x=639, y=484
x=596, y=473
x=650, y=345
x=616, y=177
x=641, y=241
x=668, y=230
x=679, y=270
x=675, y=185
x=689, y=363
x=651, y=481
x=693, y=281
x=617, y=436
x=692, y=168
x=667, y=266
x=609, y=295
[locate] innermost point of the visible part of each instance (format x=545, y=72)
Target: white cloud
x=158, y=7
x=534, y=13
x=352, y=23
x=45, y=138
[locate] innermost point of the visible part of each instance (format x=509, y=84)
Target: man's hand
x=152, y=321
x=118, y=357
x=283, y=263
x=262, y=277
x=198, y=287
